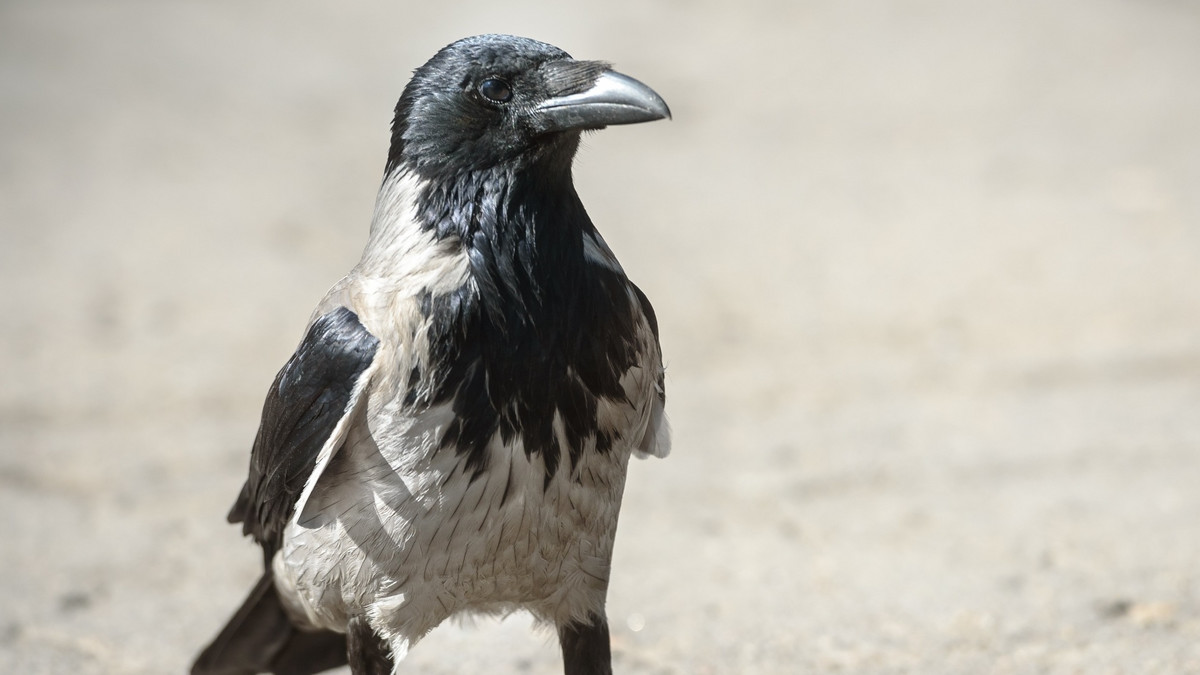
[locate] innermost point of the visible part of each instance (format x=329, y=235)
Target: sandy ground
x=928, y=275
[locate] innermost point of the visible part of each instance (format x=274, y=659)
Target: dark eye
x=495, y=90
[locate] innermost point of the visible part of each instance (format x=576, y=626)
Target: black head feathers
x=489, y=100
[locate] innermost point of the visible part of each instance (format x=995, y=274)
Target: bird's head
x=499, y=100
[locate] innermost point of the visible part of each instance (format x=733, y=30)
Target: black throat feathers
x=538, y=330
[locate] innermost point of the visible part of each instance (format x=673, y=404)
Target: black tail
x=260, y=639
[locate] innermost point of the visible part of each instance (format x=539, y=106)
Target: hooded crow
x=453, y=432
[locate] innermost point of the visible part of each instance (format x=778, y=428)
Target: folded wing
x=303, y=422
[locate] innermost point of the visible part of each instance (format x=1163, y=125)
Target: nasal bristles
x=564, y=78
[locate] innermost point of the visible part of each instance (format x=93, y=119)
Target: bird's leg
x=585, y=647
x=368, y=653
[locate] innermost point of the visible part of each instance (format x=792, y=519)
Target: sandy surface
x=928, y=275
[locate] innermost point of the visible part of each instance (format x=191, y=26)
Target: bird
x=452, y=434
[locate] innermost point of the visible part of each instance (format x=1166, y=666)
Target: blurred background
x=928, y=274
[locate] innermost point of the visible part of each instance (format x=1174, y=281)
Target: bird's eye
x=495, y=90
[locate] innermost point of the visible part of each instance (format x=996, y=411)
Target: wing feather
x=315, y=391
x=657, y=439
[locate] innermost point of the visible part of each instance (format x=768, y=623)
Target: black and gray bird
x=453, y=432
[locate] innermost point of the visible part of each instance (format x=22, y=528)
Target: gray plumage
x=453, y=433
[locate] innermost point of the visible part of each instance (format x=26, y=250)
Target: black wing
x=310, y=395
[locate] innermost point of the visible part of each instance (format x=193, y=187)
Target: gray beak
x=613, y=99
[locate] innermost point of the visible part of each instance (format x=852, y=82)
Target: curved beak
x=612, y=99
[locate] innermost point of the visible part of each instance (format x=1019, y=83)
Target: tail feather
x=261, y=639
